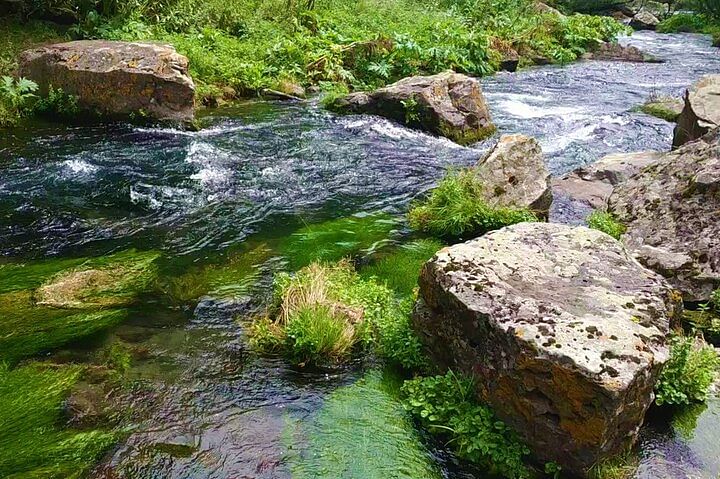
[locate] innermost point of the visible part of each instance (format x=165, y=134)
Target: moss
x=362, y=432
x=663, y=108
x=468, y=137
x=336, y=239
x=33, y=442
x=605, y=222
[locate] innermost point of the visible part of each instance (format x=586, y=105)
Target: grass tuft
x=688, y=374
x=605, y=222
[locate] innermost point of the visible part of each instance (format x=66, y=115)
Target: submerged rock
x=615, y=52
x=671, y=213
x=447, y=104
x=116, y=79
x=644, y=20
x=701, y=112
x=563, y=330
x=592, y=184
x=514, y=175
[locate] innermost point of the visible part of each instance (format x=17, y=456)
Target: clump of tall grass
x=606, y=222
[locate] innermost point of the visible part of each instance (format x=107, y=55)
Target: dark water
x=206, y=408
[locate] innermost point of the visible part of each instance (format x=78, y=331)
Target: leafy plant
x=605, y=222
x=15, y=99
x=447, y=406
x=688, y=374
x=57, y=103
x=457, y=207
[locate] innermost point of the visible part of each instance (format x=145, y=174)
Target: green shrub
x=57, y=104
x=457, y=208
x=447, y=405
x=605, y=222
x=16, y=96
x=684, y=23
x=688, y=374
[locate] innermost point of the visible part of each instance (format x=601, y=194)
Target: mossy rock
x=667, y=109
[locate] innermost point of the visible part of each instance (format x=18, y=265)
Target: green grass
x=623, y=466
x=33, y=441
x=399, y=270
x=457, y=208
x=605, y=222
x=688, y=374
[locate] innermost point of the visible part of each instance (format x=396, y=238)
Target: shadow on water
x=222, y=203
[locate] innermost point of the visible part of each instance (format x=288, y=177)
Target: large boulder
x=644, y=20
x=514, y=175
x=701, y=112
x=116, y=79
x=447, y=104
x=615, y=52
x=671, y=213
x=592, y=184
x=562, y=329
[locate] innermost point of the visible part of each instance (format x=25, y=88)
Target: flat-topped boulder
x=608, y=51
x=671, y=213
x=514, y=175
x=447, y=104
x=563, y=330
x=592, y=184
x=116, y=79
x=701, y=112
x=644, y=20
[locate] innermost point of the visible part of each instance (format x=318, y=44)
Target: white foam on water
x=213, y=173
x=79, y=167
x=393, y=130
x=205, y=132
x=520, y=109
x=559, y=143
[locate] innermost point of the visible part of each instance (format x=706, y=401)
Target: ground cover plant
x=688, y=374
x=606, y=222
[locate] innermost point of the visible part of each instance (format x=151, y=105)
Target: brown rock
x=562, y=329
x=116, y=79
x=701, y=112
x=615, y=52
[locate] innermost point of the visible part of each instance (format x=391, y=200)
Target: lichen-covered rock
x=116, y=79
x=447, y=104
x=592, y=184
x=514, y=175
x=615, y=52
x=701, y=112
x=671, y=213
x=644, y=20
x=562, y=329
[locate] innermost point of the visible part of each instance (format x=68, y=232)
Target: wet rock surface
x=563, y=330
x=644, y=20
x=619, y=53
x=592, y=184
x=671, y=209
x=116, y=79
x=447, y=104
x=514, y=175
x=701, y=113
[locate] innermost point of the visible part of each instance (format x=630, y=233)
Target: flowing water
x=234, y=192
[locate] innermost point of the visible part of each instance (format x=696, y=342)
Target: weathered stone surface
x=541, y=7
x=701, y=112
x=644, y=20
x=514, y=175
x=593, y=184
x=671, y=211
x=447, y=104
x=563, y=330
x=615, y=52
x=116, y=79
x=667, y=108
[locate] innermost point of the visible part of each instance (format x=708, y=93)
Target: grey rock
x=644, y=20
x=607, y=51
x=564, y=332
x=671, y=213
x=514, y=175
x=116, y=79
x=701, y=112
x=447, y=104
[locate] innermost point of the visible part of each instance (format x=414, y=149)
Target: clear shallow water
x=206, y=408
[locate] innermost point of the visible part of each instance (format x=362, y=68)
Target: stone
x=544, y=8
x=671, y=213
x=644, y=20
x=514, y=175
x=701, y=112
x=607, y=51
x=447, y=104
x=563, y=331
x=116, y=79
x=592, y=184
x=666, y=108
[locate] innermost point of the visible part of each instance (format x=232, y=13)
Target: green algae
x=362, y=432
x=33, y=442
x=335, y=239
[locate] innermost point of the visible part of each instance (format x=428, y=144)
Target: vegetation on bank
x=688, y=374
x=708, y=23
x=457, y=208
x=606, y=222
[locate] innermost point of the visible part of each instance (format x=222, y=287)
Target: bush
x=16, y=96
x=57, y=104
x=688, y=374
x=605, y=222
x=446, y=406
x=457, y=208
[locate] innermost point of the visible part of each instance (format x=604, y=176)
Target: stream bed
x=247, y=190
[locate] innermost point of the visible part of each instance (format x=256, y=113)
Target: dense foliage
x=457, y=208
x=446, y=405
x=16, y=96
x=606, y=223
x=688, y=374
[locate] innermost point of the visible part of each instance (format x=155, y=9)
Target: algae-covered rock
x=563, y=330
x=701, y=112
x=447, y=104
x=671, y=213
x=514, y=175
x=116, y=78
x=665, y=108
